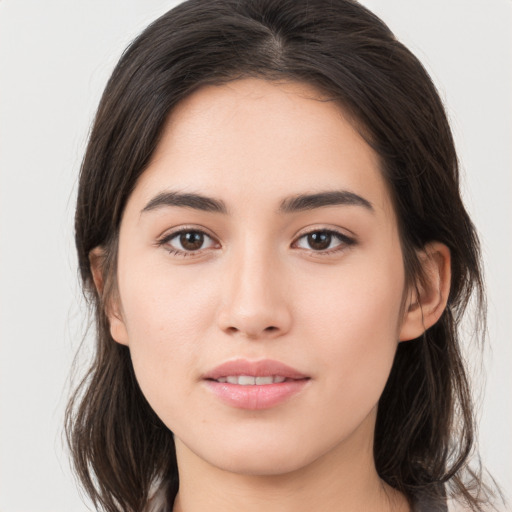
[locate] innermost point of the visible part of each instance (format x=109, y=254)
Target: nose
x=255, y=302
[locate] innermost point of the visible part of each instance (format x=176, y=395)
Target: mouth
x=255, y=384
x=250, y=380
x=263, y=372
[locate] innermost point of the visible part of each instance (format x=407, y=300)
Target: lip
x=262, y=368
x=255, y=397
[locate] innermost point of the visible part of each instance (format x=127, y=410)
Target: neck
x=344, y=479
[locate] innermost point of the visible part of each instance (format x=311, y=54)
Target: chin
x=263, y=455
x=261, y=464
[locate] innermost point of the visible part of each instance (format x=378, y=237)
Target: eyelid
x=170, y=232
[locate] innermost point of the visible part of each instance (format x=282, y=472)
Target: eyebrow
x=292, y=204
x=186, y=200
x=302, y=202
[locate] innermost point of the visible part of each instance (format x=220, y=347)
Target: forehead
x=253, y=141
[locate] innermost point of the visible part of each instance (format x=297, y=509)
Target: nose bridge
x=254, y=301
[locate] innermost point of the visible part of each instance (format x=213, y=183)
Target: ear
x=109, y=297
x=427, y=299
x=96, y=258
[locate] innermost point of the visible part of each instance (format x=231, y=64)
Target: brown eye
x=324, y=241
x=186, y=242
x=192, y=240
x=319, y=240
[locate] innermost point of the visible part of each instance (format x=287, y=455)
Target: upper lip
x=262, y=368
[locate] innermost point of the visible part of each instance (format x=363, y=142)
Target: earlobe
x=118, y=328
x=428, y=298
x=109, y=299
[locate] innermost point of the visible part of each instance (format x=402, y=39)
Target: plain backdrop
x=55, y=58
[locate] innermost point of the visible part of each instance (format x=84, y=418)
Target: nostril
x=269, y=329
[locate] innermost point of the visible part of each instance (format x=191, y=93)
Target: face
x=260, y=279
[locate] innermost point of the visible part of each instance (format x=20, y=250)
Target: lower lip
x=256, y=397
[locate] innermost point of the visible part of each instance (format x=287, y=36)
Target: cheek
x=354, y=322
x=166, y=317
x=161, y=302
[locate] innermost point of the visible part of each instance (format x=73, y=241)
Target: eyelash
x=344, y=239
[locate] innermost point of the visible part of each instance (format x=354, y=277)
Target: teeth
x=264, y=380
x=248, y=380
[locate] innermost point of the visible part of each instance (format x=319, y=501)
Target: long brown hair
x=425, y=428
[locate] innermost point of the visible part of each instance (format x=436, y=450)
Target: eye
x=324, y=241
x=186, y=242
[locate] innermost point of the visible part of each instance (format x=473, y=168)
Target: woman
x=270, y=227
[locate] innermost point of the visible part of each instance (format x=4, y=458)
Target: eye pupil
x=192, y=240
x=319, y=240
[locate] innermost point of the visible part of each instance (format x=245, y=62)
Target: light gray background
x=55, y=58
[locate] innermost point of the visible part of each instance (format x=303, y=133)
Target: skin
x=257, y=289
